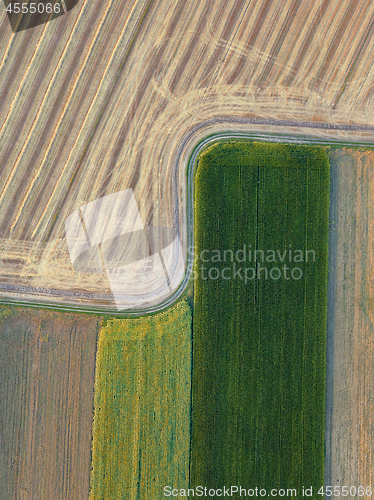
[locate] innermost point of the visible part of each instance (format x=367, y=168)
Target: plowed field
x=47, y=363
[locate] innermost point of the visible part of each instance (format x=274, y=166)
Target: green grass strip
x=259, y=345
x=141, y=433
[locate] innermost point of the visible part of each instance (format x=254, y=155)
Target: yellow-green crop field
x=141, y=432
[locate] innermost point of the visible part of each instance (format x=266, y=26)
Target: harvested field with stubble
x=99, y=99
x=47, y=365
x=141, y=432
x=259, y=349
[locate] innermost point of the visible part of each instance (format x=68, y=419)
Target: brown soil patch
x=47, y=363
x=351, y=321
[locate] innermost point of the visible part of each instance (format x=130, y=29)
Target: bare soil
x=47, y=363
x=350, y=361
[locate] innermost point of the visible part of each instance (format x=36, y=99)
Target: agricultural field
x=259, y=349
x=141, y=433
x=100, y=99
x=350, y=437
x=115, y=95
x=47, y=366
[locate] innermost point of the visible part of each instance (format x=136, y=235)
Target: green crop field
x=258, y=387
x=141, y=433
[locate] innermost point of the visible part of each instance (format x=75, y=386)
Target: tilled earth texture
x=47, y=363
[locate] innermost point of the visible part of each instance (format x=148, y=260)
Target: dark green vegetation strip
x=141, y=433
x=258, y=393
